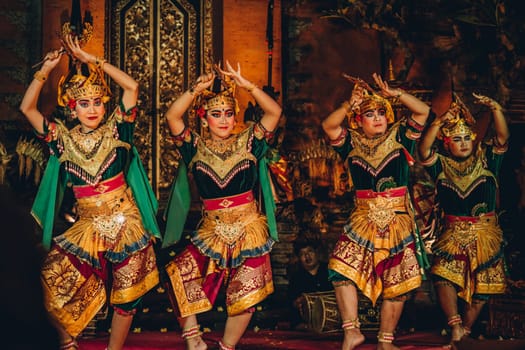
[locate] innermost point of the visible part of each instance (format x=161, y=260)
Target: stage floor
x=267, y=340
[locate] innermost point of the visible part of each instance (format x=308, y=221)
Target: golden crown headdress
x=370, y=100
x=78, y=85
x=83, y=80
x=461, y=123
x=222, y=93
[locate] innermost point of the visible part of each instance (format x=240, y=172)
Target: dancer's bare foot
x=457, y=333
x=353, y=338
x=196, y=344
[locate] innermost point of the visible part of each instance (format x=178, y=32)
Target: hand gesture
x=386, y=90
x=73, y=48
x=236, y=76
x=357, y=97
x=51, y=60
x=487, y=101
x=203, y=82
x=451, y=115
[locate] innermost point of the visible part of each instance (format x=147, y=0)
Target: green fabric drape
x=51, y=191
x=178, y=207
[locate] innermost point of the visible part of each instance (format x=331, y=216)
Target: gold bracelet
x=250, y=89
x=401, y=92
x=99, y=62
x=40, y=76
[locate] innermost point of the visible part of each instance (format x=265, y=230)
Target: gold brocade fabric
x=462, y=175
x=231, y=231
x=109, y=222
x=467, y=255
x=365, y=254
x=248, y=285
x=375, y=150
x=73, y=296
x=89, y=154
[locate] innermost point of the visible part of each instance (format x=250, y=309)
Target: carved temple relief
x=164, y=45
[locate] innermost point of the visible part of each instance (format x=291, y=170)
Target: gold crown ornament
x=461, y=123
x=370, y=101
x=79, y=86
x=455, y=127
x=225, y=96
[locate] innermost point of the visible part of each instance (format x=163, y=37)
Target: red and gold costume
x=469, y=253
x=231, y=245
x=111, y=241
x=380, y=250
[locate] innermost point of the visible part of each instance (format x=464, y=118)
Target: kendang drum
x=320, y=312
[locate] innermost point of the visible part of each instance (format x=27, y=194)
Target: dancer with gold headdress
x=380, y=252
x=107, y=254
x=468, y=258
x=232, y=244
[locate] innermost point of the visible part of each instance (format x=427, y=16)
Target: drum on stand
x=320, y=312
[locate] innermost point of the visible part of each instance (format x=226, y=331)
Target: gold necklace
x=87, y=143
x=221, y=146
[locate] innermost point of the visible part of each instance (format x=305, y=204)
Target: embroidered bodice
x=468, y=187
x=91, y=157
x=226, y=167
x=379, y=163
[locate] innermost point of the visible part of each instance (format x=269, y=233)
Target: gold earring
x=73, y=115
x=204, y=123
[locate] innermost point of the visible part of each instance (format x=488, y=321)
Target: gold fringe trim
x=480, y=241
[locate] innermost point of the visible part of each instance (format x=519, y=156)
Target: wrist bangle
x=401, y=92
x=192, y=92
x=40, y=76
x=99, y=62
x=250, y=88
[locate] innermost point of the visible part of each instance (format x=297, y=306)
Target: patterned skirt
x=108, y=239
x=470, y=254
x=377, y=250
x=231, y=248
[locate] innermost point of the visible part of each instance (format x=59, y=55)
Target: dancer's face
x=221, y=121
x=461, y=146
x=90, y=112
x=373, y=122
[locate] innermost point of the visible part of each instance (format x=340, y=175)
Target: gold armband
x=40, y=76
x=99, y=62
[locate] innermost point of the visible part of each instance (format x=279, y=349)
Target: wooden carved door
x=164, y=45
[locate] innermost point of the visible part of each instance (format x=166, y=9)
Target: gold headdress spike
x=79, y=86
x=370, y=100
x=76, y=27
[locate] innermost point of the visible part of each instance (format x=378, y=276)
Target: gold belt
x=230, y=223
x=381, y=210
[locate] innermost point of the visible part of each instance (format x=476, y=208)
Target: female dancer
x=232, y=242
x=111, y=242
x=468, y=258
x=379, y=252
